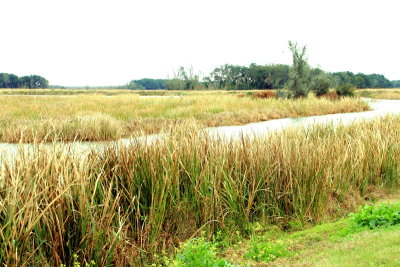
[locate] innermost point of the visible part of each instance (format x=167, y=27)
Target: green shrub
x=345, y=90
x=260, y=250
x=372, y=217
x=198, y=252
x=320, y=85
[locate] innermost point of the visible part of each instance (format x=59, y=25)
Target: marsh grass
x=93, y=127
x=379, y=93
x=71, y=92
x=120, y=205
x=97, y=118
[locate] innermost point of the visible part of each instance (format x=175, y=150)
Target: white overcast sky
x=98, y=42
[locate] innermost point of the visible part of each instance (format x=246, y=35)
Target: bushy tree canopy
x=13, y=81
x=147, y=84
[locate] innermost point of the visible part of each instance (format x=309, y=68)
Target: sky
x=99, y=42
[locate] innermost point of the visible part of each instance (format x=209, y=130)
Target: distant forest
x=228, y=77
x=8, y=80
x=232, y=77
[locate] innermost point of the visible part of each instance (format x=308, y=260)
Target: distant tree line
x=183, y=79
x=361, y=80
x=147, y=84
x=230, y=77
x=275, y=76
x=252, y=77
x=8, y=80
x=396, y=84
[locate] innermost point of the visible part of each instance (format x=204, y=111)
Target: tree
x=299, y=72
x=132, y=85
x=33, y=82
x=345, y=89
x=276, y=76
x=38, y=82
x=24, y=82
x=396, y=84
x=147, y=84
x=183, y=80
x=320, y=85
x=252, y=77
x=13, y=81
x=8, y=80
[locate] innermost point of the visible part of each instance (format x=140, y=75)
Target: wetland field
x=47, y=115
x=191, y=199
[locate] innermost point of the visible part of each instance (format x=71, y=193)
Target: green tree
x=8, y=80
x=299, y=72
x=320, y=85
x=345, y=89
x=252, y=77
x=396, y=84
x=183, y=80
x=147, y=84
x=33, y=82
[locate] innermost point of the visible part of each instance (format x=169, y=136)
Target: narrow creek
x=380, y=108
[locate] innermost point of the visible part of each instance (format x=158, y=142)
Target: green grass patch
x=378, y=247
x=197, y=252
x=261, y=250
x=368, y=237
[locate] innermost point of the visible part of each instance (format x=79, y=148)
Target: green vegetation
x=375, y=248
x=97, y=117
x=261, y=250
x=184, y=80
x=345, y=90
x=298, y=83
x=13, y=81
x=326, y=244
x=198, y=252
x=147, y=84
x=227, y=76
x=253, y=77
x=121, y=205
x=360, y=80
x=320, y=85
x=372, y=216
x=276, y=76
x=396, y=84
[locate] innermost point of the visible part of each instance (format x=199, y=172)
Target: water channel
x=379, y=108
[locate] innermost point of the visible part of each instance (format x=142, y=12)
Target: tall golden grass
x=96, y=117
x=382, y=93
x=120, y=205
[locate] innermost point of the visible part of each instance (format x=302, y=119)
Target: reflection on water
x=379, y=108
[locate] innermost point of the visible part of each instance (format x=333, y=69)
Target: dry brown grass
x=383, y=93
x=118, y=206
x=97, y=117
x=265, y=94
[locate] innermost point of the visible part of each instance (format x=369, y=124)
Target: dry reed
x=119, y=205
